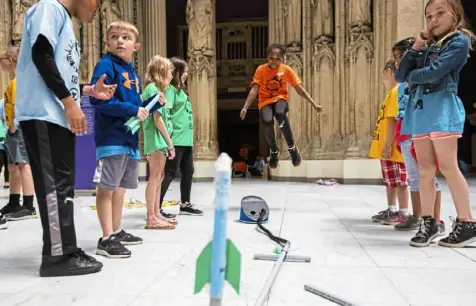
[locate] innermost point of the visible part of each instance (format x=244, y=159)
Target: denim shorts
x=412, y=167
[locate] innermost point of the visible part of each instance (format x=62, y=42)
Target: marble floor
x=362, y=262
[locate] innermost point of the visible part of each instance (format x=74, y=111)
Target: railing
x=240, y=48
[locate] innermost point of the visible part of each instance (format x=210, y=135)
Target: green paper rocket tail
x=202, y=270
x=232, y=269
x=233, y=265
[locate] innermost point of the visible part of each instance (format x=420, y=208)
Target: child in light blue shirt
x=435, y=116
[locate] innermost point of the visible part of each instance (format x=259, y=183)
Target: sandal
x=171, y=221
x=160, y=226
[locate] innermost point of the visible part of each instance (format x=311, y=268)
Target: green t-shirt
x=182, y=117
x=153, y=139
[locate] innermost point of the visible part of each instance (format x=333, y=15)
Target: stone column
x=409, y=18
x=155, y=33
x=202, y=75
x=109, y=12
x=127, y=10
x=361, y=82
x=293, y=16
x=91, y=49
x=5, y=37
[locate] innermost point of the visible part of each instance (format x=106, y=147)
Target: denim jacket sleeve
x=453, y=56
x=408, y=63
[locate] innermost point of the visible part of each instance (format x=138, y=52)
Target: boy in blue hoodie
x=117, y=150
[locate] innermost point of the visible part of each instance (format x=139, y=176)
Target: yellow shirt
x=389, y=109
x=10, y=95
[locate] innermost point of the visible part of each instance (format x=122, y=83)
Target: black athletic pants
x=184, y=161
x=51, y=151
x=277, y=110
x=4, y=164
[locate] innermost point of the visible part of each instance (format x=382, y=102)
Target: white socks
x=392, y=208
x=404, y=211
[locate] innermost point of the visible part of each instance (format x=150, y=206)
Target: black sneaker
x=128, y=239
x=78, y=263
x=190, y=209
x=23, y=214
x=429, y=230
x=295, y=156
x=274, y=160
x=463, y=234
x=112, y=248
x=167, y=215
x=9, y=208
x=3, y=222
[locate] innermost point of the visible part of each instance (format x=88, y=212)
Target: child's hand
x=102, y=91
x=243, y=114
x=162, y=100
x=142, y=113
x=421, y=40
x=318, y=108
x=171, y=153
x=75, y=117
x=387, y=152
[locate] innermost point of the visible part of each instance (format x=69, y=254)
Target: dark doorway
x=467, y=93
x=235, y=134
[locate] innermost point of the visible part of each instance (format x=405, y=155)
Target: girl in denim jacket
x=434, y=116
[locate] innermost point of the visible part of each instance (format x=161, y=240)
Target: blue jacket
x=111, y=115
x=433, y=75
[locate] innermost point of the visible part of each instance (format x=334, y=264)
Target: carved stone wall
x=202, y=76
x=337, y=47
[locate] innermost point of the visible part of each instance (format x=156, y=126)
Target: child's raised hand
x=421, y=39
x=103, y=91
x=142, y=113
x=318, y=108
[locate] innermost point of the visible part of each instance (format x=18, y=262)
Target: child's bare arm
x=387, y=150
x=303, y=93
x=160, y=124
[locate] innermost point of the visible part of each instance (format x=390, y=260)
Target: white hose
x=272, y=277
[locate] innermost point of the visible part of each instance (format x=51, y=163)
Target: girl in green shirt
x=182, y=138
x=158, y=146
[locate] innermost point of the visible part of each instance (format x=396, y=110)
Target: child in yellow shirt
x=384, y=147
x=18, y=165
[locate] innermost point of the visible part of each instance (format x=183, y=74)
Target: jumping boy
x=117, y=150
x=270, y=85
x=47, y=110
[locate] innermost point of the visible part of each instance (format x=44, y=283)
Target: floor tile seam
x=370, y=257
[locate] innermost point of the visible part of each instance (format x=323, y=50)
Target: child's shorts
x=412, y=167
x=16, y=149
x=394, y=174
x=436, y=136
x=118, y=171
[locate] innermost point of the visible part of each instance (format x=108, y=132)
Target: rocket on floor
x=220, y=260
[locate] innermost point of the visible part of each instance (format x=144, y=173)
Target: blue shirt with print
x=433, y=104
x=111, y=135
x=34, y=100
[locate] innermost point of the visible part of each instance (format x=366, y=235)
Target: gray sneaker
x=384, y=214
x=413, y=223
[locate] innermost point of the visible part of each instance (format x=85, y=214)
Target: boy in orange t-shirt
x=270, y=84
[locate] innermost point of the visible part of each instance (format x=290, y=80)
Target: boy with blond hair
x=117, y=150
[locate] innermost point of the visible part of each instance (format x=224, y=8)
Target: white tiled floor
x=362, y=262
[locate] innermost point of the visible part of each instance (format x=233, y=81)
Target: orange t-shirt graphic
x=273, y=83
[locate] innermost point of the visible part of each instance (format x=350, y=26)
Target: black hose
x=281, y=241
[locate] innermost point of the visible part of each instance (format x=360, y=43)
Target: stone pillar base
x=349, y=171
